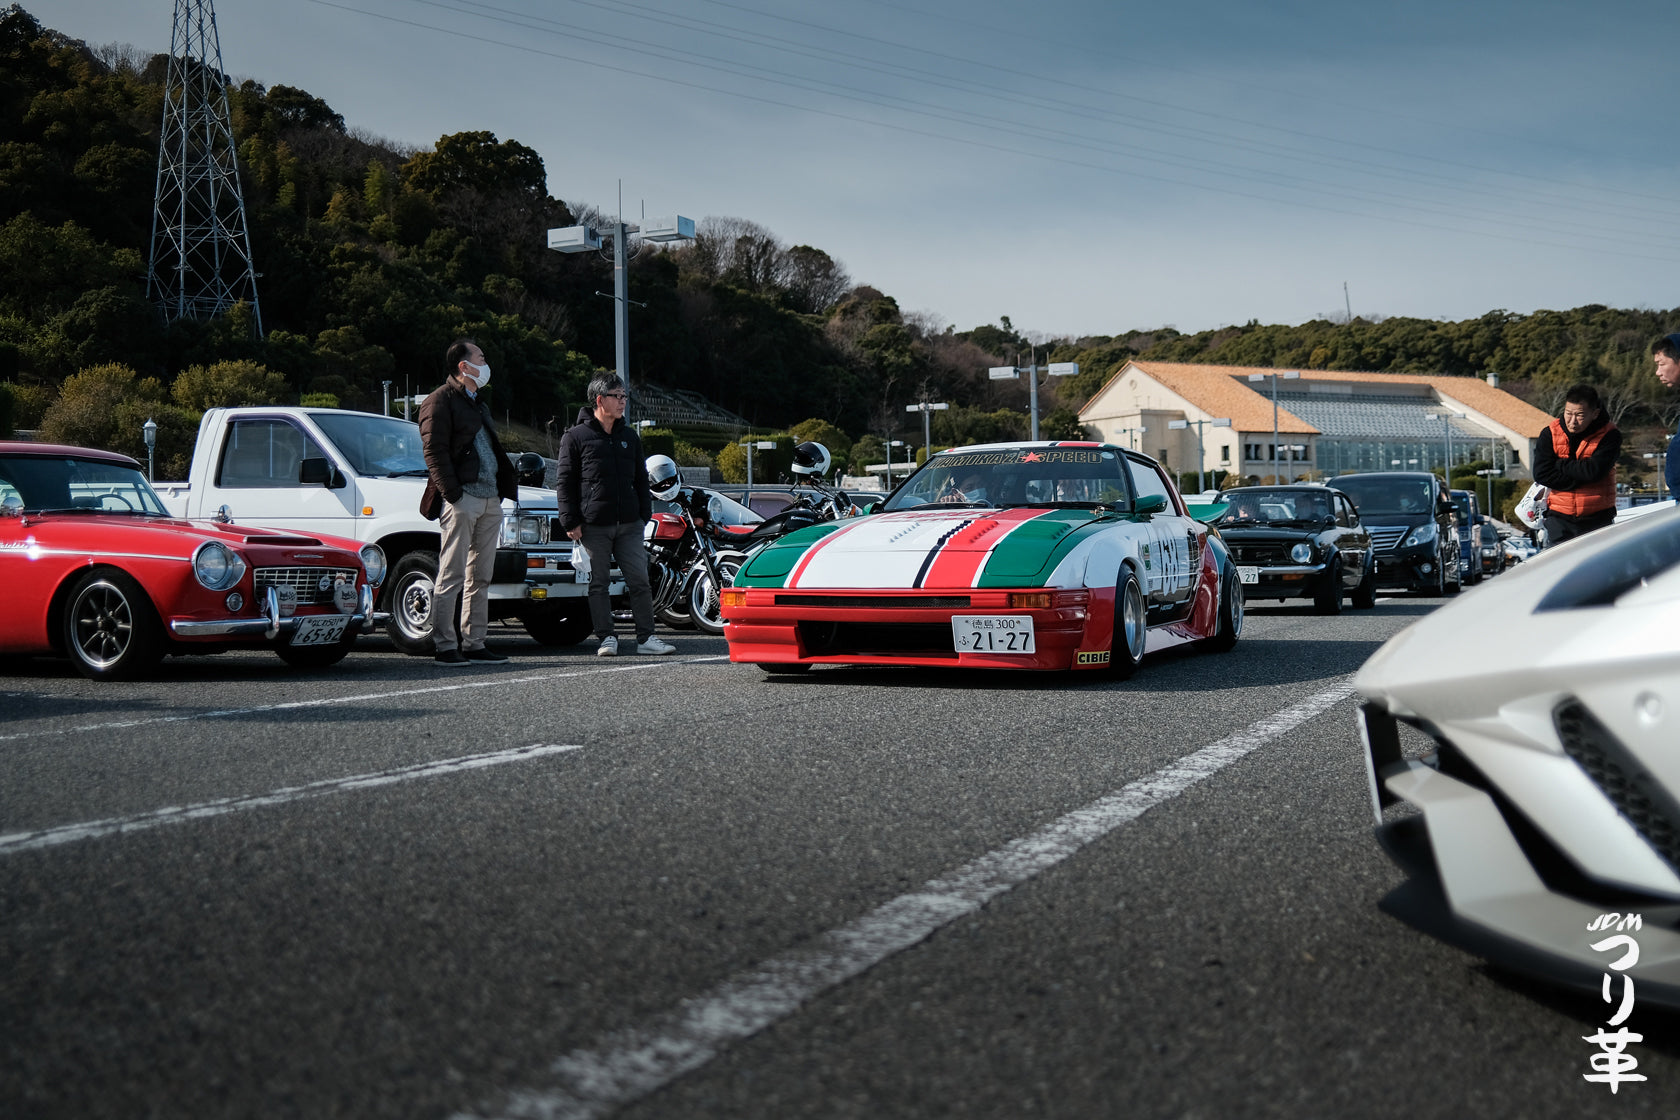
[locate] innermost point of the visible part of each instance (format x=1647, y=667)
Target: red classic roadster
x=94, y=568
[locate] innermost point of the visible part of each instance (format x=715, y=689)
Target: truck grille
x=305, y=581
x=1616, y=772
x=1385, y=538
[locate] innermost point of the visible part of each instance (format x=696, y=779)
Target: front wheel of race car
x=1230, y=625
x=1131, y=627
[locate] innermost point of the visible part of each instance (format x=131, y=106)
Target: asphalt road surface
x=674, y=887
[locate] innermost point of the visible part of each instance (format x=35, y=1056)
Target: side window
x=1345, y=515
x=264, y=454
x=1147, y=480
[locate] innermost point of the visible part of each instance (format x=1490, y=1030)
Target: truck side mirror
x=320, y=472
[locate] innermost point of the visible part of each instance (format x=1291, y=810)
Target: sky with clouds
x=1081, y=167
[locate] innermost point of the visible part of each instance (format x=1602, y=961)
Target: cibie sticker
x=1092, y=657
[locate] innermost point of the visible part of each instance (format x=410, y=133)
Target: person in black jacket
x=605, y=505
x=467, y=476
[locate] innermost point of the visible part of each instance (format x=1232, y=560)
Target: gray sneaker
x=655, y=646
x=608, y=647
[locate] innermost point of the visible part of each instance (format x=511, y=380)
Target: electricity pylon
x=201, y=252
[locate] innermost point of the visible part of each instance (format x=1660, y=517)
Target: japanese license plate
x=1248, y=575
x=320, y=630
x=993, y=633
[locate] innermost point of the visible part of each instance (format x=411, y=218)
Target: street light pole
x=1131, y=435
x=1446, y=419
x=926, y=407
x=1291, y=375
x=762, y=445
x=1010, y=373
x=1201, y=452
x=149, y=430
x=892, y=443
x=1662, y=466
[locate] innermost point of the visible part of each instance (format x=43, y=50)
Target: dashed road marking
x=12, y=843
x=323, y=701
x=628, y=1065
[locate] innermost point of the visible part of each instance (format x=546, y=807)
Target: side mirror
x=12, y=506
x=1149, y=505
x=319, y=472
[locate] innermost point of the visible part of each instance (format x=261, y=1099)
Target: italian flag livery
x=955, y=581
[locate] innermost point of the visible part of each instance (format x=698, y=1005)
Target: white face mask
x=480, y=375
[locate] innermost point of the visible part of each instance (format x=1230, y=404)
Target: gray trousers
x=624, y=543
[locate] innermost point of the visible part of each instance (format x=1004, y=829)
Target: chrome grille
x=1628, y=785
x=1385, y=538
x=305, y=581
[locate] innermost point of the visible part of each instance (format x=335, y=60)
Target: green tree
x=230, y=384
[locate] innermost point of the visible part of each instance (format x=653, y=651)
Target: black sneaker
x=486, y=654
x=451, y=657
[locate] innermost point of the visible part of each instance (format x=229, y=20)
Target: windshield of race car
x=62, y=483
x=1274, y=507
x=1025, y=476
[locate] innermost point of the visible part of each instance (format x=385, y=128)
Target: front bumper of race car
x=1484, y=877
x=1072, y=628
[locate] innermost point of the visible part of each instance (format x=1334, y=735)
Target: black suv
x=1298, y=542
x=1410, y=519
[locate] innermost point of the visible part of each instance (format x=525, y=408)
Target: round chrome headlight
x=373, y=560
x=217, y=566
x=1301, y=553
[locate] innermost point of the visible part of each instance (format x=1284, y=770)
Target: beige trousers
x=471, y=527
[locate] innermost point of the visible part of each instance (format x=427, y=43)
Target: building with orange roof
x=1327, y=422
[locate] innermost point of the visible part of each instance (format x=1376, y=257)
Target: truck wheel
x=111, y=630
x=410, y=628
x=556, y=627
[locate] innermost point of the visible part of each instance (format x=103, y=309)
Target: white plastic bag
x=1531, y=510
x=580, y=561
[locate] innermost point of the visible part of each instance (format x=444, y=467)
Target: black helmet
x=811, y=458
x=664, y=477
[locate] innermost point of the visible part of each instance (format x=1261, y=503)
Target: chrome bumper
x=271, y=625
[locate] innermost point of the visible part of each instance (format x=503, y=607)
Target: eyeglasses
x=617, y=396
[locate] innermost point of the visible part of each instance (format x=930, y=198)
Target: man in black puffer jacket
x=605, y=505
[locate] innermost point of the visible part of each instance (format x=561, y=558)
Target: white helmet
x=811, y=458
x=664, y=477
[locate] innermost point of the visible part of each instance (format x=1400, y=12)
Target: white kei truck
x=359, y=475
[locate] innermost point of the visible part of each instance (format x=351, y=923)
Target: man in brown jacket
x=467, y=476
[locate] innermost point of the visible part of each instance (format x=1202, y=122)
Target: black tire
x=1365, y=595
x=1327, y=599
x=1131, y=627
x=552, y=626
x=705, y=606
x=110, y=628
x=1231, y=604
x=410, y=603
x=314, y=657
x=784, y=667
x=1457, y=583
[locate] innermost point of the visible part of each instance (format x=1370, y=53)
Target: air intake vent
x=1628, y=785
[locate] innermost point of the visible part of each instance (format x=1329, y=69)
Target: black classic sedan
x=1303, y=541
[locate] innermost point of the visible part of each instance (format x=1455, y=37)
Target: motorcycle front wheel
x=704, y=604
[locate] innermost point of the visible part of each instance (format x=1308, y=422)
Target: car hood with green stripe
x=902, y=549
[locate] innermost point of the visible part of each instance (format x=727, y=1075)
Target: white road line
x=628, y=1065
x=321, y=701
x=12, y=843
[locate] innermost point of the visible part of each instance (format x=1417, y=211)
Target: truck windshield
x=374, y=445
x=56, y=482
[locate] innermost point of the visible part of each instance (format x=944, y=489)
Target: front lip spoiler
x=271, y=625
x=1421, y=902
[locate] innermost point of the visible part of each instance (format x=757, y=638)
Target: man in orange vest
x=1575, y=459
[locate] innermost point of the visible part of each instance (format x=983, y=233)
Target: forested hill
x=373, y=256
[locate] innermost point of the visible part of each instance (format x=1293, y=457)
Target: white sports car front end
x=1550, y=797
